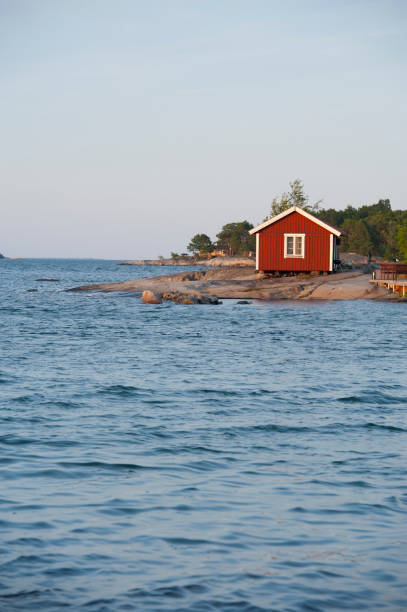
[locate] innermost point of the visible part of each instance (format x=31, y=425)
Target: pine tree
x=295, y=197
x=200, y=244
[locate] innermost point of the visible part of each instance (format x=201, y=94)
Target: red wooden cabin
x=296, y=241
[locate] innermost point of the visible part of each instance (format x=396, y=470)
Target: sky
x=128, y=126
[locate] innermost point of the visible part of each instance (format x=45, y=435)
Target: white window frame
x=294, y=236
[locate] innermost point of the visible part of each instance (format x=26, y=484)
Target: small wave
x=26, y=399
x=10, y=310
x=12, y=440
x=61, y=443
x=122, y=511
x=64, y=571
x=332, y=428
x=101, y=604
x=168, y=591
x=36, y=525
x=187, y=541
x=7, y=460
x=234, y=602
x=22, y=595
x=338, y=483
x=204, y=465
x=268, y=428
x=123, y=391
x=374, y=397
x=64, y=404
x=351, y=399
x=383, y=427
x=106, y=466
x=233, y=392
x=224, y=392
x=27, y=541
x=45, y=473
x=193, y=449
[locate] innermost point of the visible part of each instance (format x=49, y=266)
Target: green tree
x=402, y=240
x=295, y=197
x=200, y=244
x=234, y=238
x=357, y=238
x=332, y=216
x=371, y=228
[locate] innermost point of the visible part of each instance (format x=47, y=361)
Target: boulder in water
x=149, y=297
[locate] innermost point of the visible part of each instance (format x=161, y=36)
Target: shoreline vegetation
x=244, y=283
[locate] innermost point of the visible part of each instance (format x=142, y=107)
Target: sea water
x=193, y=458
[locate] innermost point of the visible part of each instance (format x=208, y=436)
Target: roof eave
x=285, y=213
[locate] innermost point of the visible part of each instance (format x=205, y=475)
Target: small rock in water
x=243, y=302
x=209, y=299
x=189, y=298
x=47, y=280
x=149, y=297
x=180, y=298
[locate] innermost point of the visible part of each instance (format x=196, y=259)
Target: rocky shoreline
x=243, y=283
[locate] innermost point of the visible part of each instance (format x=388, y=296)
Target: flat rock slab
x=245, y=283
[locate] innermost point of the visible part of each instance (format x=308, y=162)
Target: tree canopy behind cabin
x=374, y=228
x=234, y=238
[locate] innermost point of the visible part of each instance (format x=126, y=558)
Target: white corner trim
x=257, y=250
x=308, y=215
x=331, y=252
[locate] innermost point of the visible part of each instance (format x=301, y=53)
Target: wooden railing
x=392, y=271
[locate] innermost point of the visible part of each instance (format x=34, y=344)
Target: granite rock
x=150, y=297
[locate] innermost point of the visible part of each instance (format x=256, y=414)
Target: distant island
x=216, y=261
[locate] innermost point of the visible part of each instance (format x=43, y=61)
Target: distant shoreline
x=213, y=262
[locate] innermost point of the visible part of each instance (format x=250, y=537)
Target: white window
x=294, y=245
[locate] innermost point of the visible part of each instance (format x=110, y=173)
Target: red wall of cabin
x=317, y=245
